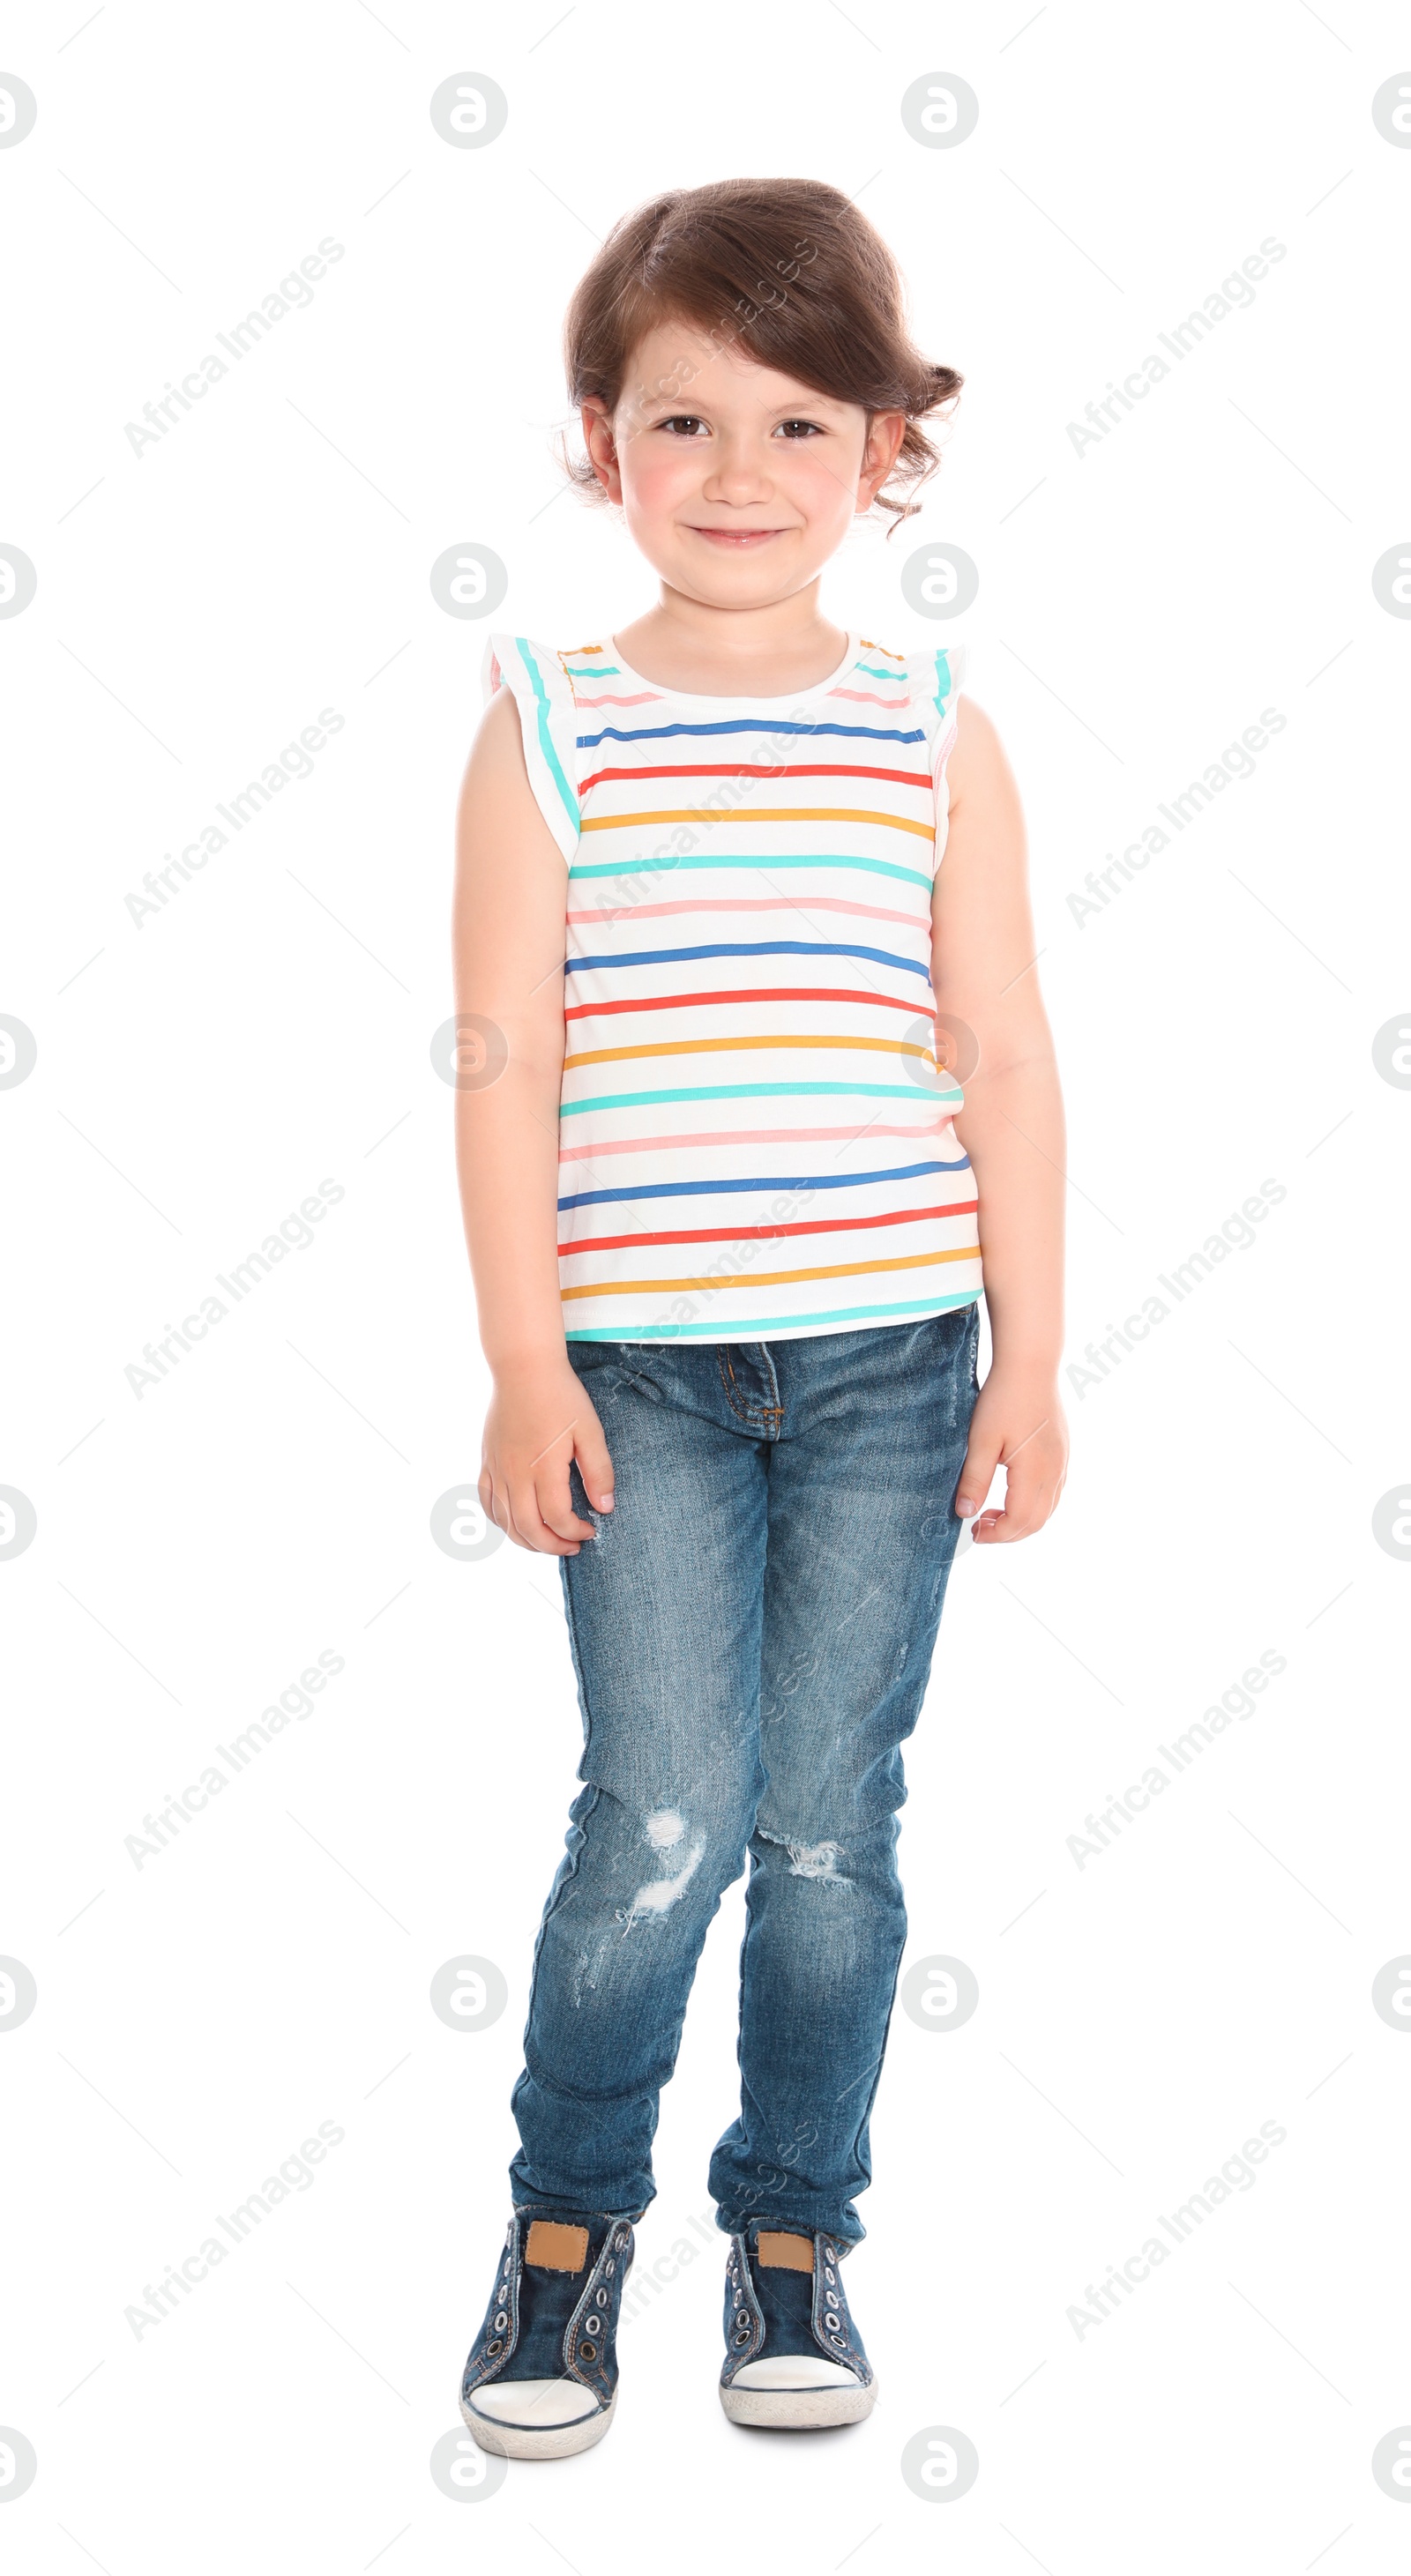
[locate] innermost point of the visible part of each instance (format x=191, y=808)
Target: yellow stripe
x=760, y=814
x=770, y=1278
x=718, y=1046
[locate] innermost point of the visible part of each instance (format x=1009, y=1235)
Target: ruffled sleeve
x=936, y=680
x=548, y=723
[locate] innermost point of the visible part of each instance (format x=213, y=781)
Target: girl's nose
x=738, y=476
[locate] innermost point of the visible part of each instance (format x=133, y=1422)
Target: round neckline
x=743, y=697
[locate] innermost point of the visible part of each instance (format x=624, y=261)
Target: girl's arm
x=1012, y=1129
x=508, y=932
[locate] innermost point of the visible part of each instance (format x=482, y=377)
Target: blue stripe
x=791, y=1181
x=748, y=724
x=953, y=1099
x=546, y=740
x=748, y=948
x=741, y=1331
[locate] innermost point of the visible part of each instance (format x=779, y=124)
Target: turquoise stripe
x=570, y=801
x=597, y=671
x=826, y=859
x=776, y=1323
x=874, y=674
x=768, y=1091
x=943, y=682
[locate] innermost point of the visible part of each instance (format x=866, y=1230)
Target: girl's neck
x=686, y=644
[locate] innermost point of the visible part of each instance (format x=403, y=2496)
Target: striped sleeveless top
x=755, y=1136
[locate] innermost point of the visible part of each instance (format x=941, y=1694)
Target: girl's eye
x=800, y=429
x=682, y=424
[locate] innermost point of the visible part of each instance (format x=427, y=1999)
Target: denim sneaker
x=793, y=2357
x=541, y=2380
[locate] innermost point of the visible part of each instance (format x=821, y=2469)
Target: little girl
x=725, y=1208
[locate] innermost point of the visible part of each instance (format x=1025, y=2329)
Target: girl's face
x=736, y=482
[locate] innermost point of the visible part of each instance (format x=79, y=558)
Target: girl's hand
x=1018, y=1425
x=540, y=1420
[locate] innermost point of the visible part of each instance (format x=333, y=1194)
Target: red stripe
x=771, y=993
x=769, y=1233
x=741, y=769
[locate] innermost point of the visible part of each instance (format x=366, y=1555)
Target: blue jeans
x=752, y=1631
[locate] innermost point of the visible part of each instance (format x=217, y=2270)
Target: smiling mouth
x=738, y=536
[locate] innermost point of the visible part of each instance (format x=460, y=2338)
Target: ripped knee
x=664, y=1832
x=811, y=1860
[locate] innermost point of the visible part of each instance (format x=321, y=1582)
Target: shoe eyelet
x=501, y=2320
x=830, y=2254
x=833, y=2322
x=592, y=2325
x=832, y=2298
x=609, y=2267
x=829, y=2274
x=587, y=2352
x=492, y=2348
x=621, y=2240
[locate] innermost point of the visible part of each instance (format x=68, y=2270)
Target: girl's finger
x=976, y=1476
x=556, y=1510
x=594, y=1463
x=528, y=1526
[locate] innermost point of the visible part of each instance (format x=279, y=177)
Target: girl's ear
x=886, y=431
x=601, y=445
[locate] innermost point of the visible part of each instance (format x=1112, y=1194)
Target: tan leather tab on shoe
x=554, y=2247
x=784, y=2253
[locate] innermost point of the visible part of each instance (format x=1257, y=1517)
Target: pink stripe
x=644, y=698
x=748, y=1136
x=757, y=903
x=868, y=698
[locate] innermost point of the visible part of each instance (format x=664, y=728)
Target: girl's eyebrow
x=670, y=405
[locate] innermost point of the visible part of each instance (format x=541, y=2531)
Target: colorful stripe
x=757, y=1325
x=767, y=1233
x=807, y=904
x=665, y=862
x=759, y=1091
x=758, y=993
x=746, y=948
x=764, y=1278
x=749, y=724
x=790, y=1181
x=748, y=1136
x=747, y=1045
x=766, y=769
x=758, y=814
x=546, y=739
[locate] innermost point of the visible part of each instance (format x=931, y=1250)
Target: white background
x=1140, y=604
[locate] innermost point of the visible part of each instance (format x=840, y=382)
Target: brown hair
x=785, y=269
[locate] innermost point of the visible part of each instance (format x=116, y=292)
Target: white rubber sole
x=798, y=2410
x=539, y=2441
